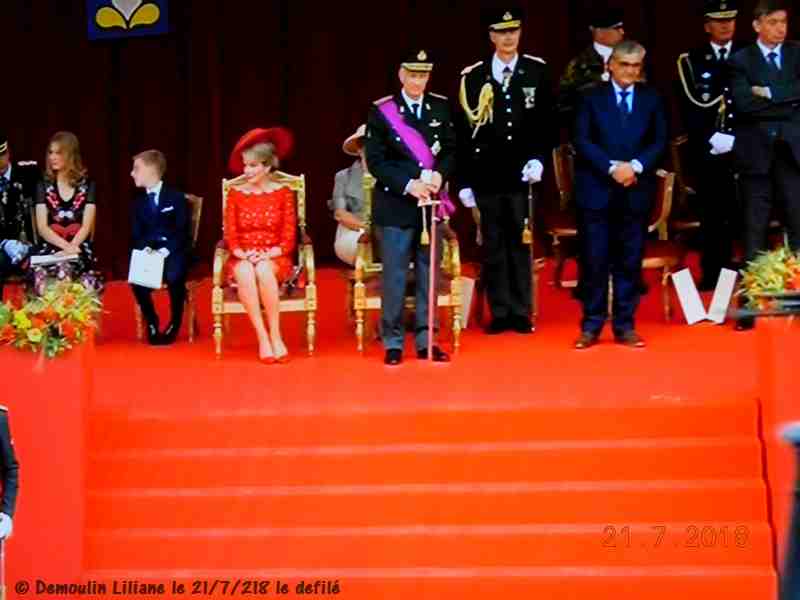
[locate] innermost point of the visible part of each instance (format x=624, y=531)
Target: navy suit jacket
x=760, y=120
x=165, y=226
x=600, y=137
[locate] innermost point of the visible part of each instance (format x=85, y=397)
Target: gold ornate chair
x=367, y=288
x=192, y=282
x=562, y=227
x=299, y=298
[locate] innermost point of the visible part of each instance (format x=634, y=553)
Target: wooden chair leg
x=192, y=314
x=560, y=260
x=311, y=331
x=139, y=322
x=218, y=335
x=227, y=324
x=666, y=295
x=360, y=329
x=456, y=312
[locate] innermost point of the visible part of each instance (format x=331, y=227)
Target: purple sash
x=419, y=149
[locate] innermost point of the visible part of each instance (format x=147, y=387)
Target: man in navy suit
x=620, y=136
x=161, y=224
x=765, y=81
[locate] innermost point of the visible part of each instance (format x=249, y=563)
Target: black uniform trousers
x=506, y=263
x=717, y=205
x=781, y=184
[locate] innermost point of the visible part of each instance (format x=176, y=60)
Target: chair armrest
x=221, y=256
x=308, y=261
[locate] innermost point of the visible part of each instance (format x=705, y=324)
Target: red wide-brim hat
x=280, y=137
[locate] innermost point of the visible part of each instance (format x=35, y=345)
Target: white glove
x=163, y=252
x=6, y=526
x=467, y=198
x=721, y=143
x=532, y=172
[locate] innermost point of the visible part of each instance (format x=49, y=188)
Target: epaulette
x=536, y=58
x=382, y=100
x=27, y=163
x=437, y=96
x=468, y=70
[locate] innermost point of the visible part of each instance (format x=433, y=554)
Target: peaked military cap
x=504, y=19
x=721, y=9
x=417, y=60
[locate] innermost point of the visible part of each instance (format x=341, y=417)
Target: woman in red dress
x=261, y=234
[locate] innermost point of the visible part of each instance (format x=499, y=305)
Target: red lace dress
x=259, y=222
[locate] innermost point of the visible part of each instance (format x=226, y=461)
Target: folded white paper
x=51, y=259
x=689, y=297
x=692, y=304
x=722, y=295
x=146, y=269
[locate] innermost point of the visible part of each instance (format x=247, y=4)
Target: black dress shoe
x=393, y=357
x=630, y=339
x=153, y=337
x=522, y=325
x=745, y=324
x=497, y=326
x=439, y=355
x=586, y=340
x=171, y=333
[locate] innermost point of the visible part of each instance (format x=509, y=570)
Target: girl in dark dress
x=65, y=215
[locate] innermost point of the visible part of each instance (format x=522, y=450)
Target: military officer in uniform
x=507, y=134
x=590, y=67
x=708, y=116
x=17, y=188
x=410, y=149
x=9, y=470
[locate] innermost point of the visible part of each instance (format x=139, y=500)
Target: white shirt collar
x=156, y=189
x=498, y=66
x=604, y=51
x=7, y=174
x=765, y=50
x=410, y=101
x=618, y=89
x=728, y=47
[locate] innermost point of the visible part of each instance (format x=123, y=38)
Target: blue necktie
x=415, y=109
x=151, y=196
x=773, y=61
x=623, y=105
x=3, y=184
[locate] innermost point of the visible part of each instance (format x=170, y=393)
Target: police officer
x=410, y=150
x=17, y=188
x=589, y=68
x=507, y=133
x=708, y=116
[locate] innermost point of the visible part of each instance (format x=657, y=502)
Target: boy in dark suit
x=160, y=224
x=620, y=136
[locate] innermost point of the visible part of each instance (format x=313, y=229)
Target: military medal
x=706, y=97
x=435, y=123
x=436, y=148
x=530, y=96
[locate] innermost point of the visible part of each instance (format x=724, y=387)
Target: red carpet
x=523, y=468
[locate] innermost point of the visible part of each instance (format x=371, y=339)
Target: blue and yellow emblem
x=124, y=18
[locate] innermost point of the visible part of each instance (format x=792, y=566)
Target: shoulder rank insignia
x=437, y=96
x=27, y=163
x=536, y=58
x=469, y=69
x=382, y=100
x=435, y=123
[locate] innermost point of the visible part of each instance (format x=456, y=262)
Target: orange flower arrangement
x=51, y=323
